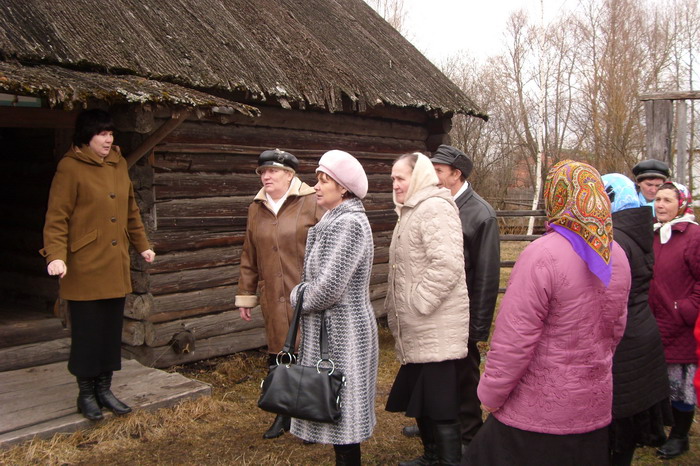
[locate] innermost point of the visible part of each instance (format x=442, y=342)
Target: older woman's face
x=401, y=179
x=275, y=181
x=666, y=205
x=101, y=143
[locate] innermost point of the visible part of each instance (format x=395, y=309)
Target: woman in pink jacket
x=548, y=378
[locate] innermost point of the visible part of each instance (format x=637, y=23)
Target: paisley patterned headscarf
x=578, y=209
x=685, y=211
x=621, y=191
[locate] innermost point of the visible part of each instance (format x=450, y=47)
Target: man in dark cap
x=649, y=175
x=482, y=259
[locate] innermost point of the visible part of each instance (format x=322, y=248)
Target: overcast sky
x=441, y=28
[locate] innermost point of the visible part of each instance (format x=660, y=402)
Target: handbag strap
x=324, y=338
x=290, y=342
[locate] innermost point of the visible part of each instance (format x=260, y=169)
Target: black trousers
x=96, y=336
x=469, y=404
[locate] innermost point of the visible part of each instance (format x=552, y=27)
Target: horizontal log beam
x=519, y=237
x=164, y=356
x=671, y=95
x=133, y=332
x=34, y=354
x=195, y=279
x=224, y=323
x=197, y=259
x=181, y=305
x=521, y=213
x=178, y=240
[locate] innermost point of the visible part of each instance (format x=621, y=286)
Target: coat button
x=113, y=219
x=282, y=299
x=274, y=248
x=112, y=195
x=114, y=242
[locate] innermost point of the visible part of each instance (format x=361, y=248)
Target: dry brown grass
x=227, y=428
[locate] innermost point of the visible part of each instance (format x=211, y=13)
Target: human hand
x=148, y=255
x=489, y=409
x=57, y=267
x=245, y=313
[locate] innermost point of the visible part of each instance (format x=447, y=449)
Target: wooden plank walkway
x=41, y=400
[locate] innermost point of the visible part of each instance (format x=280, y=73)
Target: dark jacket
x=674, y=296
x=640, y=379
x=91, y=218
x=482, y=260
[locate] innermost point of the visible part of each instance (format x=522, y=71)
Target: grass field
x=227, y=428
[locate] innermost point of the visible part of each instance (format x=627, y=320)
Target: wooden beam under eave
x=671, y=95
x=26, y=117
x=156, y=137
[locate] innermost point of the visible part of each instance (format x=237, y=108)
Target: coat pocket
x=84, y=241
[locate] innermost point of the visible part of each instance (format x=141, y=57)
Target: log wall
x=203, y=182
x=193, y=190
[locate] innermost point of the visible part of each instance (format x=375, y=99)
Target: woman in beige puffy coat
x=427, y=307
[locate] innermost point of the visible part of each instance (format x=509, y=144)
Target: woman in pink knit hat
x=335, y=281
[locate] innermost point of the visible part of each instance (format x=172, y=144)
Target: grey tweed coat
x=337, y=267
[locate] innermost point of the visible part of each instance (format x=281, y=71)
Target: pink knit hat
x=346, y=170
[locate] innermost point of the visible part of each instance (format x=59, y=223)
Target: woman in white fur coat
x=427, y=307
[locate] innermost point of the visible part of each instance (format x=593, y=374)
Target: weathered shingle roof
x=326, y=54
x=62, y=86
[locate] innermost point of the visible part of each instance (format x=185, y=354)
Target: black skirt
x=96, y=336
x=497, y=444
x=426, y=390
x=642, y=429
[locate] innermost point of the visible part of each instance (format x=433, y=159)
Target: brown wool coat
x=91, y=218
x=273, y=257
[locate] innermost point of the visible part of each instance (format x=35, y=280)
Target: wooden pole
x=681, y=141
x=659, y=119
x=156, y=137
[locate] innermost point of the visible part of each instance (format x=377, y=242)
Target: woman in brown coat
x=273, y=251
x=91, y=218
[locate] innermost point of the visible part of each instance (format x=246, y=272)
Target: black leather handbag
x=303, y=392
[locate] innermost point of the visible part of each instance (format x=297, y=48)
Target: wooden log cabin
x=198, y=89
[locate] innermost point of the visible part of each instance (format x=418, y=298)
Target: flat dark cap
x=453, y=157
x=278, y=159
x=651, y=168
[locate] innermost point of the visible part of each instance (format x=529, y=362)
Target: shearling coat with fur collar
x=273, y=257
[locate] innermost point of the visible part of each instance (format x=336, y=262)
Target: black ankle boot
x=426, y=427
x=448, y=438
x=677, y=442
x=87, y=403
x=348, y=455
x=105, y=397
x=278, y=427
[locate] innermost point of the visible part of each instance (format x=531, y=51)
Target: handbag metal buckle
x=280, y=358
x=318, y=365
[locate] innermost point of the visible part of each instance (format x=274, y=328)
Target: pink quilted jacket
x=549, y=366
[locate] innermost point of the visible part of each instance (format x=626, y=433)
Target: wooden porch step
x=41, y=401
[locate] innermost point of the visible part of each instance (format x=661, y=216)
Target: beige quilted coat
x=427, y=302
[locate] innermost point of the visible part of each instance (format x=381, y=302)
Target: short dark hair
x=89, y=123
